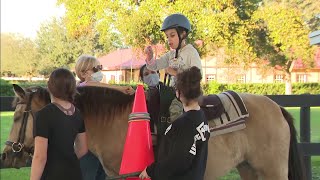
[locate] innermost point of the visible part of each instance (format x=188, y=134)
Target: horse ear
x=19, y=91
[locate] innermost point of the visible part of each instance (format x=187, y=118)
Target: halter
x=18, y=146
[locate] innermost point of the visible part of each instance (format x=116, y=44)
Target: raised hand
x=149, y=53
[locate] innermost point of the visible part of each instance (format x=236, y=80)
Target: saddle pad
x=233, y=118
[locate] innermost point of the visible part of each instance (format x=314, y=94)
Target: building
x=123, y=66
x=214, y=70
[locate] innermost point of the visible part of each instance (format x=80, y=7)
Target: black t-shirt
x=60, y=130
x=183, y=150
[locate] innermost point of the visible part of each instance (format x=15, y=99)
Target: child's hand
x=171, y=71
x=149, y=53
x=144, y=174
x=128, y=90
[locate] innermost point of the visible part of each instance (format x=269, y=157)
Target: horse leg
x=247, y=172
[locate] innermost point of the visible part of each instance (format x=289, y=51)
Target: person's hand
x=171, y=71
x=149, y=53
x=144, y=174
x=128, y=90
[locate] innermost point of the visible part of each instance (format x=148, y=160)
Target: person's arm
x=39, y=158
x=155, y=65
x=40, y=132
x=171, y=71
x=194, y=59
x=175, y=109
x=80, y=145
x=124, y=89
x=180, y=158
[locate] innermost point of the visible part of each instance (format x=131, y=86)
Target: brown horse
x=265, y=149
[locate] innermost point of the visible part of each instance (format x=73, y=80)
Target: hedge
x=7, y=90
x=262, y=88
x=210, y=88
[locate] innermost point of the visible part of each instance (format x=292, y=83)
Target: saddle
x=211, y=106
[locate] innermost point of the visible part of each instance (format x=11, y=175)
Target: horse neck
x=106, y=138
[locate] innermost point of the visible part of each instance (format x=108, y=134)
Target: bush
x=262, y=88
x=210, y=88
x=6, y=86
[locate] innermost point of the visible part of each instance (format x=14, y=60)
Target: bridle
x=18, y=146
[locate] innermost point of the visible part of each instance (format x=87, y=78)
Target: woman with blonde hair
x=88, y=70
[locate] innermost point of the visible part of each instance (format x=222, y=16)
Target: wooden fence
x=303, y=101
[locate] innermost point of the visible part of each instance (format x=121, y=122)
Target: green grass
x=24, y=173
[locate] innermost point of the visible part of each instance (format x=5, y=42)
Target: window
x=210, y=77
x=278, y=78
x=121, y=78
x=241, y=79
x=113, y=78
x=302, y=78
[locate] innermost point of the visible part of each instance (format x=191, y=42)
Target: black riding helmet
x=177, y=21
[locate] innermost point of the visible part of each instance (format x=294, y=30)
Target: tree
x=138, y=23
x=285, y=37
x=88, y=19
x=19, y=55
x=245, y=31
x=310, y=11
x=58, y=50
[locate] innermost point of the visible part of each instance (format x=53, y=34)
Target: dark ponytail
x=188, y=83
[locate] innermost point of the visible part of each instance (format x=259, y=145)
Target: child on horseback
x=59, y=132
x=88, y=70
x=182, y=56
x=183, y=151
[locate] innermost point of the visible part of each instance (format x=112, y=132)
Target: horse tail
x=296, y=168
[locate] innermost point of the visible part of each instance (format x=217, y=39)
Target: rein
x=18, y=146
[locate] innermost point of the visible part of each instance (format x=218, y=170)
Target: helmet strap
x=180, y=41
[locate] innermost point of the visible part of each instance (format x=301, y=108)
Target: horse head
x=20, y=143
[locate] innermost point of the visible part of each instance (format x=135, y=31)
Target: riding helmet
x=176, y=20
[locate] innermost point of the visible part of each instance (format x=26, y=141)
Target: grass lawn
x=24, y=173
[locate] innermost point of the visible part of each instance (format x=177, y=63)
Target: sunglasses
x=97, y=68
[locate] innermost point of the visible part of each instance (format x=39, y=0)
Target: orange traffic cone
x=138, y=150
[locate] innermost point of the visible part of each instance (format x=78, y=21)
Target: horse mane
x=101, y=103
x=94, y=103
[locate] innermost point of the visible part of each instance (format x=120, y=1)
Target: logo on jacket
x=202, y=129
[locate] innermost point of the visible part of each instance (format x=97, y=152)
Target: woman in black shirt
x=183, y=151
x=59, y=132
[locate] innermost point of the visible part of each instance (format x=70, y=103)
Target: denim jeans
x=91, y=167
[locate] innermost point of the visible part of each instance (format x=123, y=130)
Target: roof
x=298, y=64
x=314, y=38
x=122, y=59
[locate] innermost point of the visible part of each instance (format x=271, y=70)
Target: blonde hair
x=85, y=63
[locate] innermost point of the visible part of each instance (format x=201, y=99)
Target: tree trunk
x=288, y=84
